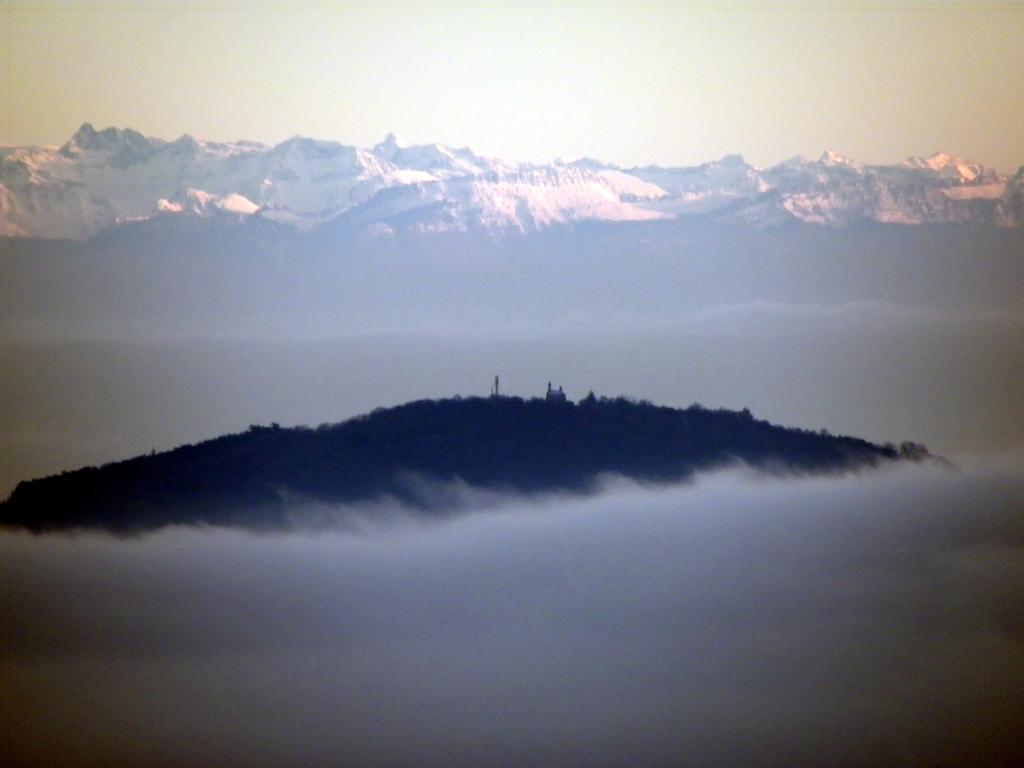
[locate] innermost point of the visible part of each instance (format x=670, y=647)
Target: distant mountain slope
x=99, y=179
x=501, y=443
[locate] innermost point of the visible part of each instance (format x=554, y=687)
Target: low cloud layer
x=870, y=619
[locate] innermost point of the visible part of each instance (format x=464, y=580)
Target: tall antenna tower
x=496, y=392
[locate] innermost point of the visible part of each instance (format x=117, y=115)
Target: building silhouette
x=555, y=395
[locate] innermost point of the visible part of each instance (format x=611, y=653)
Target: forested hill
x=253, y=479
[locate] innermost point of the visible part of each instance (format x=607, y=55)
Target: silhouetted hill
x=529, y=446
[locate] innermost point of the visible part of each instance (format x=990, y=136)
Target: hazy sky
x=627, y=82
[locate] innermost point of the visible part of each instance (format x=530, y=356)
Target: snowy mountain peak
x=391, y=144
x=588, y=163
x=88, y=139
x=100, y=178
x=946, y=166
x=732, y=161
x=201, y=203
x=936, y=161
x=831, y=157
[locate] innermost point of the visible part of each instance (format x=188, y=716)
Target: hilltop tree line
x=509, y=443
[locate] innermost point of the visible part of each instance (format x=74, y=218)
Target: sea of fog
x=869, y=619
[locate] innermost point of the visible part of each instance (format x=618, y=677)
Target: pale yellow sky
x=631, y=83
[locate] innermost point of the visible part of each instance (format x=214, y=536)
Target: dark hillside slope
x=507, y=443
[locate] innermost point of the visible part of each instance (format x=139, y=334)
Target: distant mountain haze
x=102, y=178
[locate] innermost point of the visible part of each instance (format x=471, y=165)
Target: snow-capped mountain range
x=99, y=179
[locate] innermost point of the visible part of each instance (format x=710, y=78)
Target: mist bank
x=498, y=443
x=737, y=621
